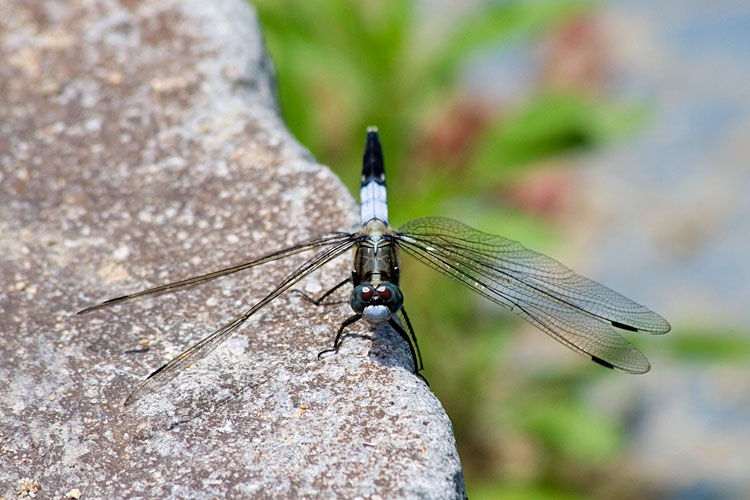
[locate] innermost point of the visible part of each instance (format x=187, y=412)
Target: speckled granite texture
x=140, y=143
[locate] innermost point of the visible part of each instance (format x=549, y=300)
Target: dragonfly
x=577, y=312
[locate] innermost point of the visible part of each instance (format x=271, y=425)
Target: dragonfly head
x=376, y=303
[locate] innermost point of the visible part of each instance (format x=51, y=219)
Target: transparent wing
x=576, y=311
x=332, y=239
x=199, y=350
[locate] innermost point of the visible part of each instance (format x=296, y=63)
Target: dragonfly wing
x=201, y=349
x=178, y=285
x=185, y=359
x=583, y=333
x=577, y=311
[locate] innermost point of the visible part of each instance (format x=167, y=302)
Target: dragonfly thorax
x=376, y=256
x=376, y=303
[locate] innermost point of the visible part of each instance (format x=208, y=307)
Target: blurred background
x=612, y=136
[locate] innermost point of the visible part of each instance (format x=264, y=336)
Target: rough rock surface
x=140, y=143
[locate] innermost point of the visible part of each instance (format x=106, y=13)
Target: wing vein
x=201, y=349
x=175, y=286
x=574, y=310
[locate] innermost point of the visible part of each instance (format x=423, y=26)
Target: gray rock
x=140, y=143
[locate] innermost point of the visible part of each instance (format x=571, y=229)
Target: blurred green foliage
x=550, y=124
x=343, y=65
x=710, y=344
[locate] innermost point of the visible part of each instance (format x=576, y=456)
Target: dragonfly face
x=577, y=312
x=376, y=304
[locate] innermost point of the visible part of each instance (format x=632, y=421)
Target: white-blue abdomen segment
x=373, y=204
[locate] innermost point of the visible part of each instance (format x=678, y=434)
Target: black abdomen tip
x=373, y=167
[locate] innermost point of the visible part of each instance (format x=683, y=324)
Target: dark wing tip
x=153, y=374
x=600, y=361
x=132, y=398
x=623, y=326
x=88, y=309
x=657, y=325
x=103, y=304
x=635, y=370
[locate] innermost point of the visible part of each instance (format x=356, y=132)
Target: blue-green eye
x=391, y=296
x=361, y=296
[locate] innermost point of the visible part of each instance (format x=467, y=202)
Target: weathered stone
x=140, y=143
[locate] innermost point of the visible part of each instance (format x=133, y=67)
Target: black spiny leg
x=414, y=339
x=319, y=300
x=408, y=340
x=337, y=342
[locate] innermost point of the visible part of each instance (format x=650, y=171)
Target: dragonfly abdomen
x=372, y=194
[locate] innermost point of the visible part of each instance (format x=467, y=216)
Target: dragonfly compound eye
x=361, y=296
x=366, y=292
x=391, y=296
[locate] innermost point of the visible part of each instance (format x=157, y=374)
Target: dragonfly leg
x=414, y=339
x=319, y=300
x=337, y=342
x=405, y=336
